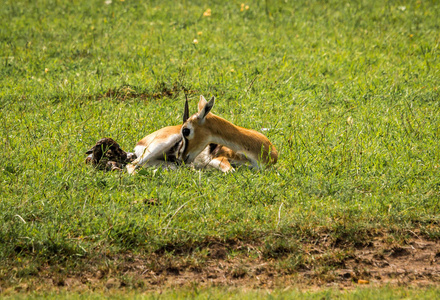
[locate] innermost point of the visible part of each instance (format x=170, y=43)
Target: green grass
x=218, y=293
x=348, y=92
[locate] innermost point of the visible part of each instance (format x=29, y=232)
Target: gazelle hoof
x=131, y=169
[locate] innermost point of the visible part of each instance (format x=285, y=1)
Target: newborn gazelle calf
x=161, y=148
x=205, y=128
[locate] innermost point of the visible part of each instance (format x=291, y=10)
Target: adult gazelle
x=161, y=149
x=204, y=128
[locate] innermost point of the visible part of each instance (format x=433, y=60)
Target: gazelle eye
x=186, y=131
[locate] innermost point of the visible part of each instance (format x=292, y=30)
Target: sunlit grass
x=347, y=92
x=231, y=293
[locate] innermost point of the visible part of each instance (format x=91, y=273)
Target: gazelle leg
x=149, y=157
x=143, y=156
x=131, y=168
x=221, y=163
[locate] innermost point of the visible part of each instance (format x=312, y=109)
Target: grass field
x=347, y=91
x=219, y=293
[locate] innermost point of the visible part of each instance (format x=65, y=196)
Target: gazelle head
x=195, y=135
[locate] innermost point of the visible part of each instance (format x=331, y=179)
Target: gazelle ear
x=185, y=110
x=205, y=109
x=202, y=102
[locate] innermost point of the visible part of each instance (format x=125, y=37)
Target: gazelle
x=205, y=128
x=161, y=148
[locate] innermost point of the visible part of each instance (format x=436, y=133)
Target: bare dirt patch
x=417, y=262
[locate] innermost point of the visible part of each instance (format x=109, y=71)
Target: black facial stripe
x=184, y=145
